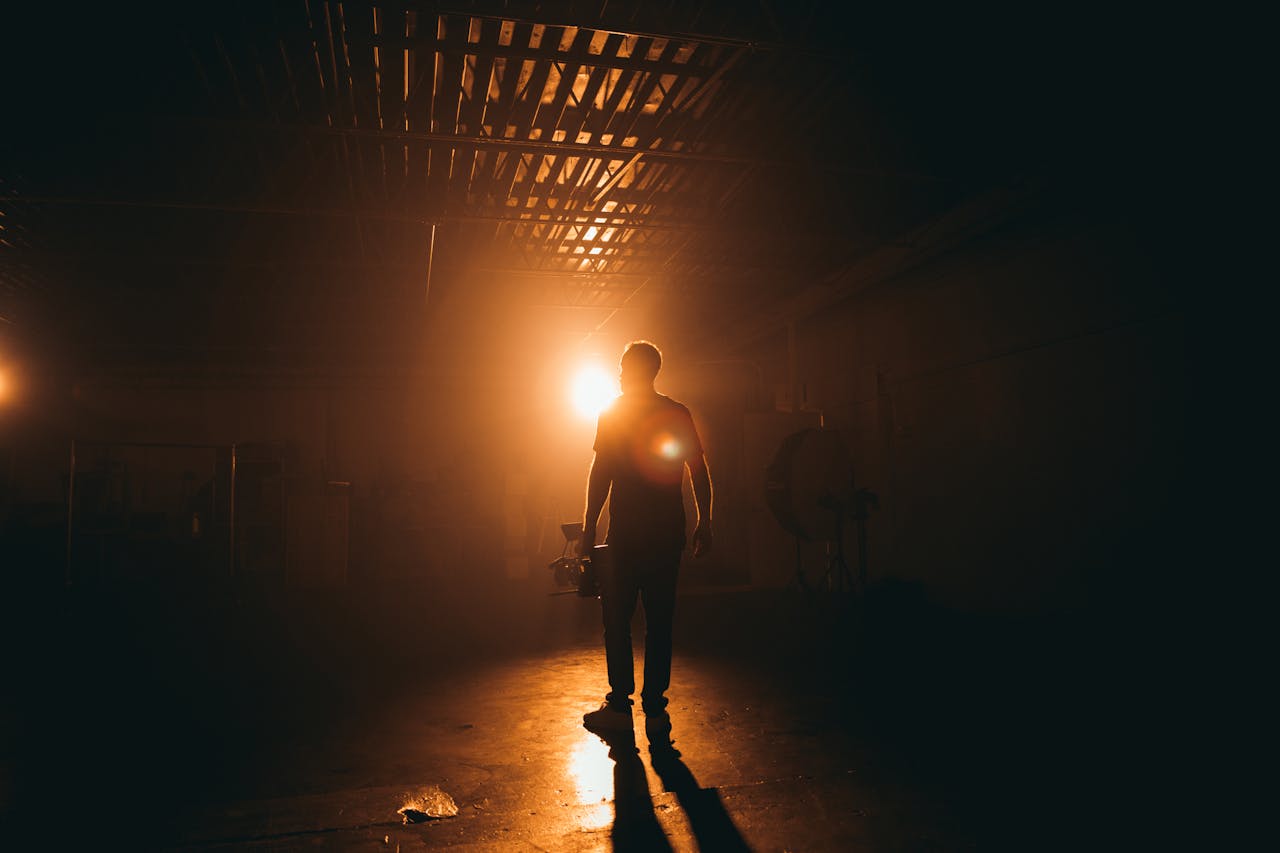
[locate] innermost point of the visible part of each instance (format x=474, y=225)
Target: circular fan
x=810, y=476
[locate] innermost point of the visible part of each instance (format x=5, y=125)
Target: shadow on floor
x=155, y=698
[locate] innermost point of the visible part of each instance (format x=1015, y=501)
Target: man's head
x=640, y=364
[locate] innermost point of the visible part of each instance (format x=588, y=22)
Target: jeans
x=650, y=576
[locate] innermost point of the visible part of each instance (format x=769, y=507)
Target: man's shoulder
x=627, y=411
x=627, y=404
x=674, y=404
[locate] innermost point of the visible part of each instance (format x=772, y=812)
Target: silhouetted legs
x=651, y=578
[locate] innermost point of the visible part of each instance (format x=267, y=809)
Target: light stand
x=837, y=577
x=798, y=581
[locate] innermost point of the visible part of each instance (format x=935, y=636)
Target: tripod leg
x=798, y=580
x=862, y=554
x=838, y=576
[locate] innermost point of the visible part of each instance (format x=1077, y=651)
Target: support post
x=71, y=506
x=793, y=371
x=231, y=550
x=431, y=253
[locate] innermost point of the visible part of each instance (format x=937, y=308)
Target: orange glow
x=592, y=390
x=5, y=386
x=661, y=457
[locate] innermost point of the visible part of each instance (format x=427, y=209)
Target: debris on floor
x=429, y=803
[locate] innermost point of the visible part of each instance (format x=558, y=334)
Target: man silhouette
x=644, y=442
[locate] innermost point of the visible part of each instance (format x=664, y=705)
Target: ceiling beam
x=599, y=220
x=565, y=147
x=611, y=24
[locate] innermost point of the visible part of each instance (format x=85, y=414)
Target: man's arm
x=598, y=481
x=700, y=477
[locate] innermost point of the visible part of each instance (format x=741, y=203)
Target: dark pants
x=651, y=577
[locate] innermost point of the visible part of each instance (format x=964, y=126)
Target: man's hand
x=586, y=542
x=702, y=539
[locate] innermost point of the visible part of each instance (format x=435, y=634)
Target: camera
x=573, y=573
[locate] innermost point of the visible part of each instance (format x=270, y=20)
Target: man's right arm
x=598, y=482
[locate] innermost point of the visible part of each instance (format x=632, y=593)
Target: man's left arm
x=700, y=477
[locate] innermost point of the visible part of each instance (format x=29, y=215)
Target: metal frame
x=71, y=485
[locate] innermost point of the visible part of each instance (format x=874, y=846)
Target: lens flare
x=593, y=389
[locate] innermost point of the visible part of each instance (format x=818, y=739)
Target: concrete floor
x=761, y=772
x=207, y=720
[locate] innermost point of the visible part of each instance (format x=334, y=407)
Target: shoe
x=607, y=719
x=657, y=728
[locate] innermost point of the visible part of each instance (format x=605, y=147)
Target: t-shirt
x=644, y=440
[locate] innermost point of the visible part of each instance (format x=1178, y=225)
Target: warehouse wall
x=427, y=458
x=1016, y=403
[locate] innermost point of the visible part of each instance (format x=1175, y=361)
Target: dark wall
x=428, y=460
x=1016, y=403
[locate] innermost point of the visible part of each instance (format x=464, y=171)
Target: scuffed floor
x=755, y=766
x=284, y=720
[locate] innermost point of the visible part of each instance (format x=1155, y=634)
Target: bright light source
x=593, y=389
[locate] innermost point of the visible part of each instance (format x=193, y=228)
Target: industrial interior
x=308, y=308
